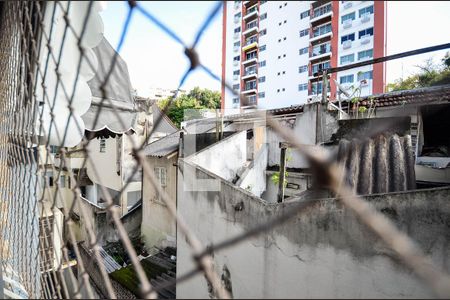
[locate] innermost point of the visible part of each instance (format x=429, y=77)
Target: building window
x=102, y=145
x=365, y=54
x=284, y=72
x=303, y=51
x=62, y=181
x=304, y=32
x=302, y=69
x=237, y=44
x=250, y=85
x=324, y=29
x=263, y=32
x=279, y=24
x=161, y=175
x=262, y=79
x=302, y=87
x=304, y=14
x=346, y=17
x=278, y=74
x=347, y=59
x=284, y=38
x=235, y=100
x=262, y=63
x=238, y=29
x=236, y=72
x=279, y=40
x=365, y=75
x=349, y=37
x=53, y=149
x=366, y=10
x=250, y=55
x=261, y=94
x=236, y=87
x=320, y=67
x=346, y=79
x=238, y=15
x=285, y=21
x=278, y=90
x=263, y=16
x=262, y=2
x=368, y=31
x=262, y=48
x=237, y=58
x=283, y=89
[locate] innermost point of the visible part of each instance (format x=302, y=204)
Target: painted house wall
x=158, y=227
x=324, y=252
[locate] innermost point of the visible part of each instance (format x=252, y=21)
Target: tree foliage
x=191, y=104
x=429, y=74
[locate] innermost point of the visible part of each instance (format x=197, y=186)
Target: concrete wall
x=224, y=158
x=158, y=227
x=323, y=252
x=254, y=179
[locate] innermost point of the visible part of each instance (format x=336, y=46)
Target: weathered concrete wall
x=158, y=227
x=302, y=180
x=254, y=179
x=323, y=252
x=224, y=158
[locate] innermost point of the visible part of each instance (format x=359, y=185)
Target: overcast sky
x=155, y=60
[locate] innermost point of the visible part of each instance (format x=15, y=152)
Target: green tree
x=429, y=74
x=193, y=101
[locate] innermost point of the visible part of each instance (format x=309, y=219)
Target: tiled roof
x=416, y=96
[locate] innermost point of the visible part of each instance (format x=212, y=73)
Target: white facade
x=284, y=41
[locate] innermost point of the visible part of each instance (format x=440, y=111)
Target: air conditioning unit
x=365, y=18
x=235, y=48
x=236, y=20
x=364, y=82
x=235, y=77
x=236, y=35
x=347, y=4
x=235, y=62
x=347, y=44
x=365, y=39
x=347, y=24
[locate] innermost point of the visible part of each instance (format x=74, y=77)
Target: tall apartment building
x=272, y=51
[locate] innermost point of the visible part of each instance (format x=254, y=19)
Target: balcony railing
x=249, y=101
x=252, y=24
x=320, y=49
x=251, y=41
x=320, y=67
x=250, y=71
x=321, y=11
x=251, y=10
x=322, y=30
x=250, y=86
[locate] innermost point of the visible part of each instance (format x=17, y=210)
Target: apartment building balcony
x=251, y=13
x=251, y=73
x=250, y=43
x=251, y=28
x=316, y=70
x=250, y=101
x=250, y=61
x=321, y=32
x=320, y=51
x=249, y=91
x=321, y=14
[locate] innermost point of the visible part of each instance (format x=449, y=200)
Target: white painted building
x=274, y=50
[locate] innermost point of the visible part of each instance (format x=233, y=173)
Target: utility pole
x=282, y=172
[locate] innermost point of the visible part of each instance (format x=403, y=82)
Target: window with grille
x=161, y=175
x=102, y=145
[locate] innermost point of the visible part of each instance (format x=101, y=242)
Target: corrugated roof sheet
x=164, y=146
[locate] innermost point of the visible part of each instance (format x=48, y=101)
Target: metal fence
x=39, y=92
